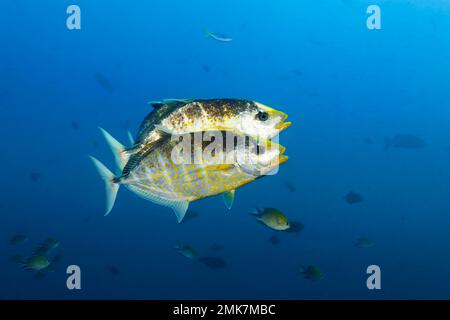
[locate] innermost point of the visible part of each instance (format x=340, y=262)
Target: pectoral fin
x=228, y=198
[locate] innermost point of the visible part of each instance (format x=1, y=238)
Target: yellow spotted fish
x=180, y=116
x=166, y=178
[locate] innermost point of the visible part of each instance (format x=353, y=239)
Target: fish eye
x=262, y=116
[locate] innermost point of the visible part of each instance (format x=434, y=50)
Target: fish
x=187, y=251
x=35, y=176
x=40, y=275
x=206, y=68
x=315, y=42
x=364, y=243
x=404, y=141
x=219, y=37
x=273, y=218
x=86, y=220
x=35, y=263
x=75, y=125
x=368, y=140
x=113, y=270
x=51, y=267
x=95, y=143
x=168, y=176
x=213, y=262
x=216, y=247
x=18, y=239
x=47, y=246
x=312, y=273
x=104, y=82
x=290, y=186
x=353, y=197
x=181, y=116
x=274, y=240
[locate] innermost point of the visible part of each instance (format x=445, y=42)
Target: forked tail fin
x=111, y=187
x=117, y=148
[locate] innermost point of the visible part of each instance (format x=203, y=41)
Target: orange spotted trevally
x=179, y=171
x=180, y=116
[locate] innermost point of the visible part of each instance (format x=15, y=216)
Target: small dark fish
x=190, y=215
x=368, y=140
x=182, y=60
x=206, y=68
x=44, y=248
x=75, y=125
x=18, y=239
x=216, y=247
x=316, y=42
x=296, y=227
x=290, y=186
x=35, y=176
x=104, y=82
x=39, y=275
x=297, y=72
x=113, y=270
x=353, y=197
x=274, y=240
x=364, y=243
x=213, y=262
x=404, y=141
x=95, y=144
x=312, y=273
x=86, y=220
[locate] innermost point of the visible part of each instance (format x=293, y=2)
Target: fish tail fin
x=111, y=187
x=117, y=148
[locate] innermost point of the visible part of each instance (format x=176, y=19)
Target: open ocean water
x=368, y=176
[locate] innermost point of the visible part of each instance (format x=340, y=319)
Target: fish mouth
x=273, y=113
x=282, y=158
x=283, y=124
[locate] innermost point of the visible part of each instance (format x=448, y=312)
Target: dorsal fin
x=169, y=102
x=156, y=104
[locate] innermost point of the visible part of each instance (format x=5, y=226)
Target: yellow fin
x=228, y=198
